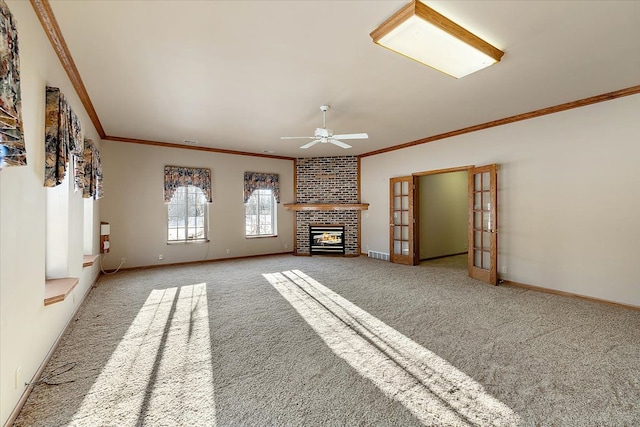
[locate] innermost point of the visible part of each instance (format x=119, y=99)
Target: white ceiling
x=238, y=75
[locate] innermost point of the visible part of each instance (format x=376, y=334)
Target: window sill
x=56, y=290
x=89, y=260
x=181, y=242
x=265, y=236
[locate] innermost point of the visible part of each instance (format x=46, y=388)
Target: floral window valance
x=12, y=148
x=92, y=172
x=261, y=181
x=63, y=138
x=178, y=176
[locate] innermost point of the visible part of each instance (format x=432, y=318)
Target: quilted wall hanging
x=12, y=148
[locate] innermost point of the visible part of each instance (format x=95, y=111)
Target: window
x=260, y=214
x=187, y=215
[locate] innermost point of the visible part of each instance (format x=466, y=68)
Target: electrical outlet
x=122, y=260
x=503, y=269
x=286, y=246
x=228, y=251
x=160, y=257
x=18, y=377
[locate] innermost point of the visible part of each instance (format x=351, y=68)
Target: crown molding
x=189, y=147
x=519, y=117
x=50, y=25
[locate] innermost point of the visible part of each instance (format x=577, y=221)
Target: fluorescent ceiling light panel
x=422, y=34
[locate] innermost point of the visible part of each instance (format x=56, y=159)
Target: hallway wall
x=443, y=214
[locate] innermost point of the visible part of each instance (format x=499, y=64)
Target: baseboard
x=443, y=256
x=330, y=255
x=202, y=261
x=27, y=391
x=568, y=294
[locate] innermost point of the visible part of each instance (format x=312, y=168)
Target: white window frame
x=188, y=203
x=257, y=224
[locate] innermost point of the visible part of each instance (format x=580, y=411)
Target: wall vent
x=378, y=255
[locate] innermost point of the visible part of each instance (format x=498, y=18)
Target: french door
x=483, y=225
x=402, y=220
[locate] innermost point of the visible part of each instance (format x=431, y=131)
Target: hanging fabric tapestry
x=177, y=176
x=76, y=148
x=56, y=139
x=92, y=185
x=12, y=149
x=63, y=137
x=261, y=181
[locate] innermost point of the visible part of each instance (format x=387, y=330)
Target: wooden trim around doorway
x=448, y=170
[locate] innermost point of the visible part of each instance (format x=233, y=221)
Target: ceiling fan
x=325, y=135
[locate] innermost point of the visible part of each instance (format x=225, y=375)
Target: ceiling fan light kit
x=424, y=35
x=325, y=135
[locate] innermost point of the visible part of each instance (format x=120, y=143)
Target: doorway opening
x=442, y=215
x=406, y=208
x=449, y=263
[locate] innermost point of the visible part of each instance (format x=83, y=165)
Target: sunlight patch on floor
x=161, y=371
x=430, y=387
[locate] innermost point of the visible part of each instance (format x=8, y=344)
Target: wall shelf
x=327, y=206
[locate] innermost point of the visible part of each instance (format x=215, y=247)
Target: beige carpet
x=323, y=341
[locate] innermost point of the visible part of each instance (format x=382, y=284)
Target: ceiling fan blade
x=310, y=144
x=297, y=137
x=352, y=136
x=339, y=143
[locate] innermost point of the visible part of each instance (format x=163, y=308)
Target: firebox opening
x=326, y=239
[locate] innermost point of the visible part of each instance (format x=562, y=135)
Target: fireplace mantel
x=327, y=206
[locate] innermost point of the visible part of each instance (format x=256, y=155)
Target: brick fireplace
x=327, y=194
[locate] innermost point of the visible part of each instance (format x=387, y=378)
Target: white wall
x=134, y=205
x=568, y=204
x=28, y=329
x=443, y=214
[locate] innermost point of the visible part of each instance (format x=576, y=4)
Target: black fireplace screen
x=326, y=239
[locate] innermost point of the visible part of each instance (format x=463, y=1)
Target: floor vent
x=378, y=255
